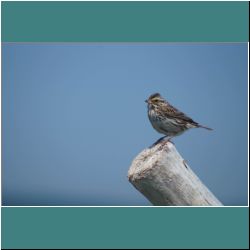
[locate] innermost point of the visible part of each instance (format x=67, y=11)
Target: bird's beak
x=146, y=101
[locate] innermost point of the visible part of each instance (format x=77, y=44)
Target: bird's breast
x=154, y=116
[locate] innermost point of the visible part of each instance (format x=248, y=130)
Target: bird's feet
x=163, y=140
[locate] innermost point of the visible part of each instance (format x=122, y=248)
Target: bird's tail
x=201, y=126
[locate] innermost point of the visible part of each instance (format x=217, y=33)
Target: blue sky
x=74, y=117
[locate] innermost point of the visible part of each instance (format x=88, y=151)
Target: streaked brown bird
x=167, y=119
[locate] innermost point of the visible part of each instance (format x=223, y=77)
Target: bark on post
x=163, y=177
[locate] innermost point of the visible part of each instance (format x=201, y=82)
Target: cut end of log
x=147, y=159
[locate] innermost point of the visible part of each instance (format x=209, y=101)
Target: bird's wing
x=173, y=112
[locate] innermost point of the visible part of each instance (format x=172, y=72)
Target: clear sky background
x=74, y=117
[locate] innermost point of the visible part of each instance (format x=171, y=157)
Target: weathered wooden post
x=163, y=177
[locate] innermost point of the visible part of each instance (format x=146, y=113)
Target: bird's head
x=155, y=100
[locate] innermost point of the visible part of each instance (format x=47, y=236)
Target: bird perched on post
x=167, y=119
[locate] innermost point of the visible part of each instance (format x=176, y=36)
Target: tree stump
x=164, y=178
